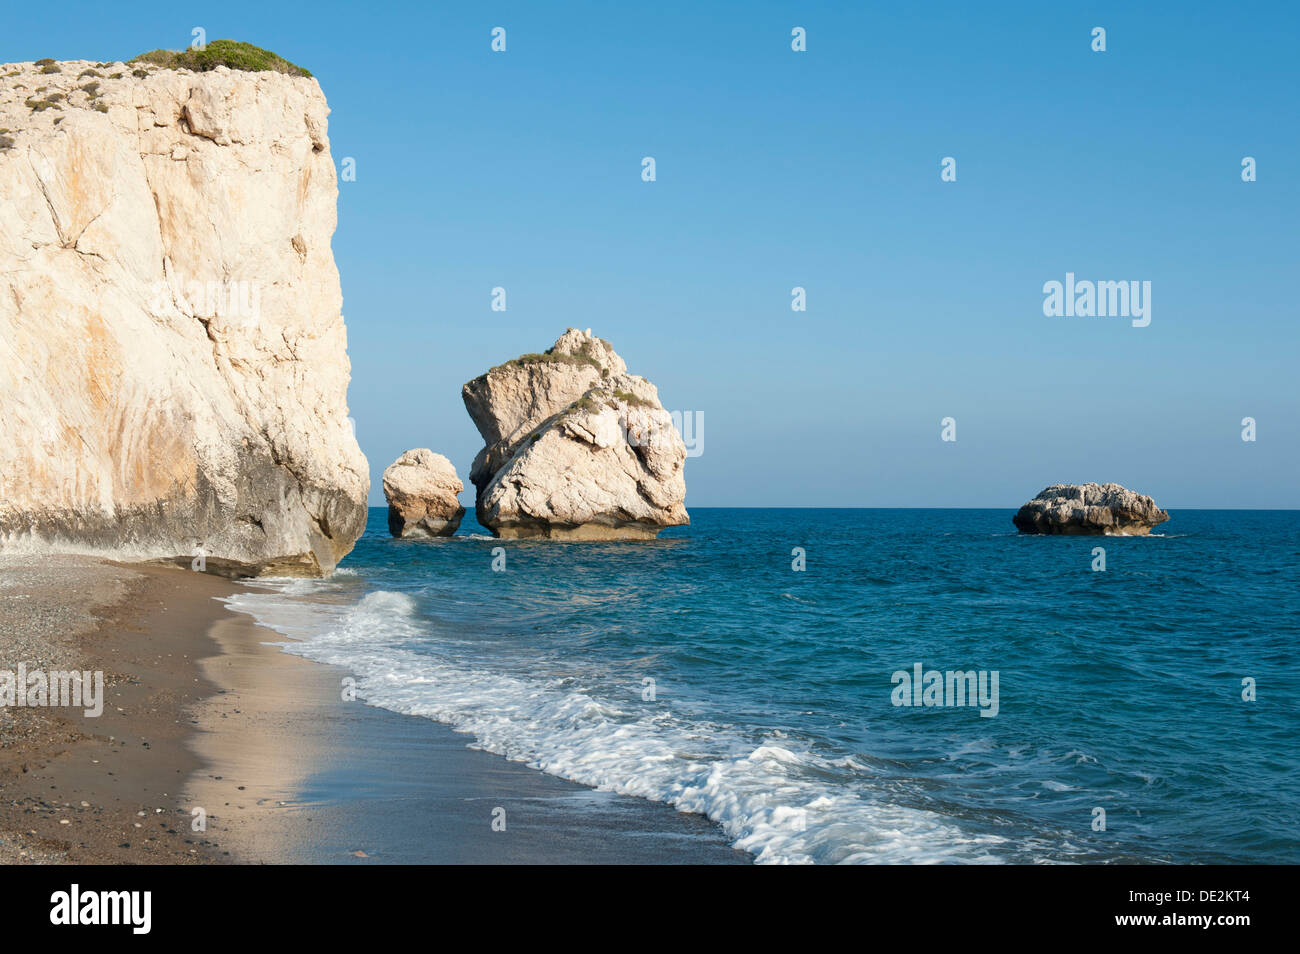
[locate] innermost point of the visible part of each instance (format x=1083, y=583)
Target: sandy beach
x=201, y=714
x=108, y=789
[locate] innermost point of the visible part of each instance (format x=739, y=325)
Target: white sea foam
x=772, y=796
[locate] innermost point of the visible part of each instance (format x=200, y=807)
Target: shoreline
x=201, y=713
x=293, y=773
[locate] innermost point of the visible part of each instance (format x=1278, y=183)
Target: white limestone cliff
x=173, y=363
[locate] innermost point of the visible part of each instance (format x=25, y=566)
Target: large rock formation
x=173, y=365
x=1096, y=509
x=575, y=447
x=421, y=488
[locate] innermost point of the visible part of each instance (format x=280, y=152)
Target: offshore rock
x=575, y=447
x=421, y=488
x=1089, y=509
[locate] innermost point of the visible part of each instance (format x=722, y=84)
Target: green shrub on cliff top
x=549, y=358
x=633, y=400
x=228, y=53
x=585, y=403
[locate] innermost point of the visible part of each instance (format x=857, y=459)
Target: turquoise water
x=772, y=703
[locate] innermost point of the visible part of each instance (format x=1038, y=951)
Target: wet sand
x=295, y=773
x=201, y=713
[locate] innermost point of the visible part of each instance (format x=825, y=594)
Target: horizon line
x=1013, y=507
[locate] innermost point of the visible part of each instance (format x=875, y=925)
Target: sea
x=1112, y=700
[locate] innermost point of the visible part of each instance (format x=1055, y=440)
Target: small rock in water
x=421, y=488
x=1089, y=509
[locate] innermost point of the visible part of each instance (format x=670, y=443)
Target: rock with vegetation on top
x=575, y=447
x=173, y=361
x=421, y=488
x=1089, y=509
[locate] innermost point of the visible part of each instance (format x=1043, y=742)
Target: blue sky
x=819, y=169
